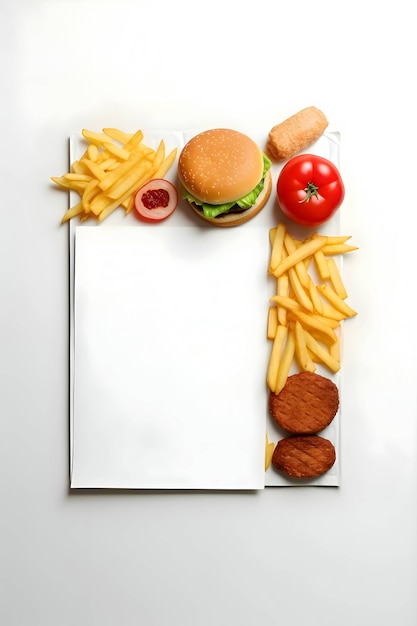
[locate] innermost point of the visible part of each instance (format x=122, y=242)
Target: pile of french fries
x=113, y=167
x=308, y=306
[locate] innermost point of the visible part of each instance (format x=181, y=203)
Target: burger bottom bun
x=235, y=219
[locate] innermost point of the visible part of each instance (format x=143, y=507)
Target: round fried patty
x=304, y=456
x=306, y=405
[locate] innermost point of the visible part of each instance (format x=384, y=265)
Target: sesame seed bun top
x=220, y=165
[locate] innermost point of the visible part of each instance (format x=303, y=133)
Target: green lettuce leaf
x=213, y=210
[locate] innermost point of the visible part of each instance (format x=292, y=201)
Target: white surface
x=167, y=386
x=319, y=556
x=147, y=304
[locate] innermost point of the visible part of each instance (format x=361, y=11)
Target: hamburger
x=225, y=176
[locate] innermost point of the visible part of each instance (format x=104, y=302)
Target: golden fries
x=310, y=302
x=299, y=254
x=269, y=451
x=277, y=240
x=286, y=360
x=113, y=167
x=275, y=358
x=305, y=362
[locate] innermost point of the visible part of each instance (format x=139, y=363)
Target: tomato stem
x=311, y=190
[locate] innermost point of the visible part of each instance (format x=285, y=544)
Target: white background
x=289, y=556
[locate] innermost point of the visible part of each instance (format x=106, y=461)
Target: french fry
x=338, y=248
x=272, y=322
x=94, y=138
x=315, y=297
x=330, y=322
x=285, y=301
x=291, y=246
x=334, y=351
x=331, y=313
x=92, y=152
x=159, y=154
x=90, y=191
x=77, y=209
x=78, y=186
x=79, y=167
x=321, y=353
x=269, y=451
x=298, y=290
x=336, y=279
x=286, y=360
x=128, y=204
x=321, y=265
x=302, y=354
x=336, y=301
x=313, y=356
x=120, y=153
x=107, y=163
x=77, y=177
x=166, y=164
x=283, y=291
x=316, y=324
x=277, y=246
x=135, y=141
x=303, y=251
x=337, y=239
x=275, y=357
x=96, y=170
x=119, y=135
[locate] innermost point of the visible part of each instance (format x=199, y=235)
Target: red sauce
x=155, y=198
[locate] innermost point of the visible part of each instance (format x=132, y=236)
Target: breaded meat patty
x=306, y=405
x=304, y=456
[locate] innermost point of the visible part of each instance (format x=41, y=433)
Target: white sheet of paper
x=169, y=360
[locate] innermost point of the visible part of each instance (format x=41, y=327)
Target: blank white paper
x=169, y=358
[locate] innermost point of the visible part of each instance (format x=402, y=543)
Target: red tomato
x=309, y=189
x=156, y=200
